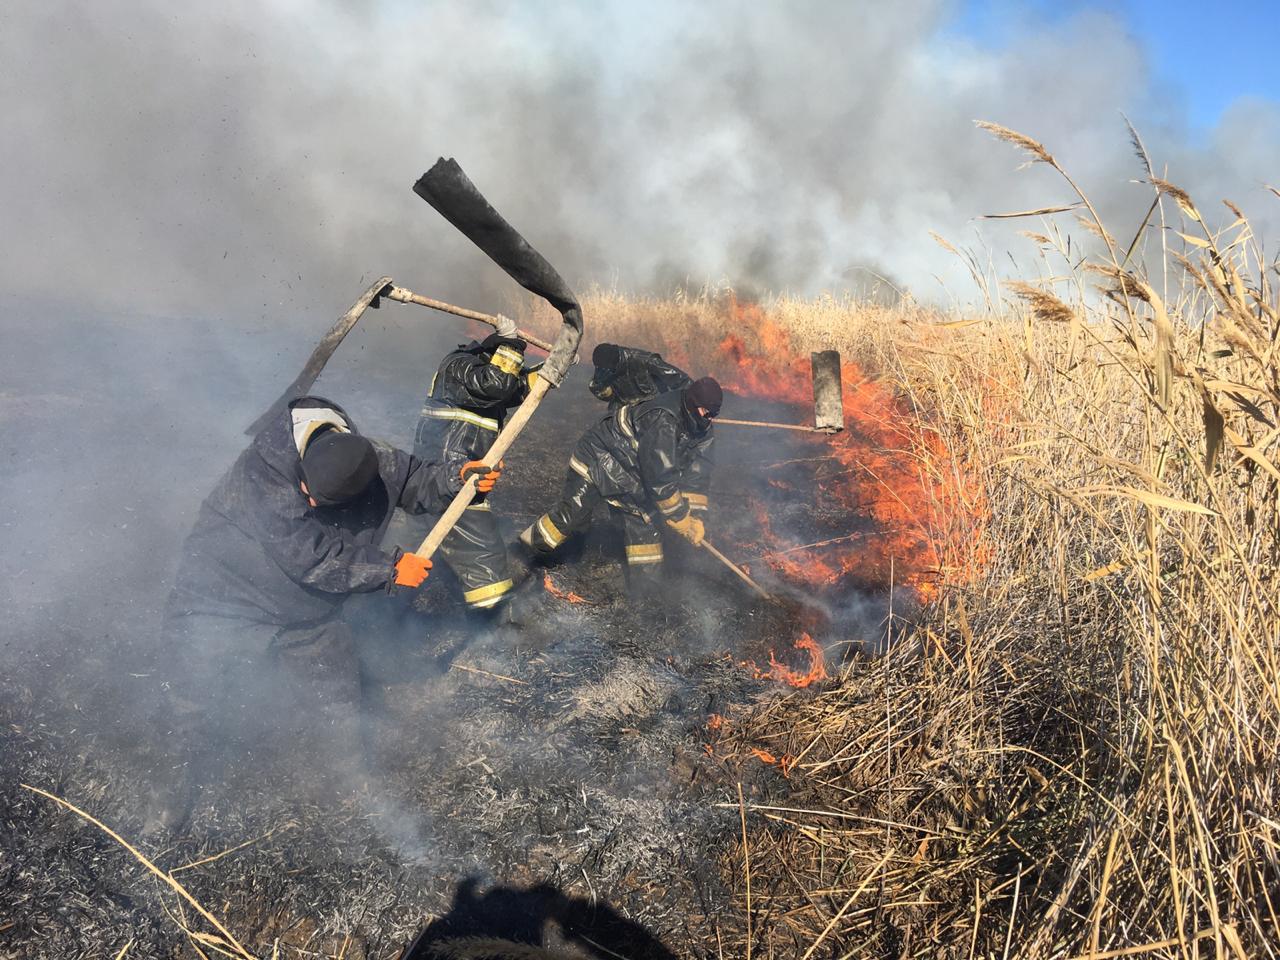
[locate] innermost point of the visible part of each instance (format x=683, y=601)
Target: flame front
x=920, y=515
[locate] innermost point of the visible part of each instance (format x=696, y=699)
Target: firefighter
x=628, y=375
x=473, y=390
x=651, y=463
x=255, y=644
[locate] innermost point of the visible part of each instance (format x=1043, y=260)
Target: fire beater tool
x=371, y=298
x=456, y=199
x=828, y=399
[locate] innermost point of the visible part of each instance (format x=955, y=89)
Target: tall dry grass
x=1078, y=753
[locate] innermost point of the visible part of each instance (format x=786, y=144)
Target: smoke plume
x=256, y=159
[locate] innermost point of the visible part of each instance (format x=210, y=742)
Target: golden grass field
x=1076, y=753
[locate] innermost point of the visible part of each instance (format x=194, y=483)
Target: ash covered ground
x=558, y=784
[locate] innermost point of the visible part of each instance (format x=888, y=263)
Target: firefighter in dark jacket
x=473, y=390
x=255, y=644
x=650, y=462
x=628, y=375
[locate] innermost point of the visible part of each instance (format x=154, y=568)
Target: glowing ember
x=566, y=595
x=716, y=722
x=784, y=763
x=781, y=672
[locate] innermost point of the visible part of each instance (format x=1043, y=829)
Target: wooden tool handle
x=505, y=438
x=774, y=426
x=742, y=574
x=408, y=296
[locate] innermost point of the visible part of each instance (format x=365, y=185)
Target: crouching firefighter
x=473, y=390
x=255, y=647
x=628, y=375
x=651, y=463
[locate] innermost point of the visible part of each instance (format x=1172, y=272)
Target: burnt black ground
x=588, y=776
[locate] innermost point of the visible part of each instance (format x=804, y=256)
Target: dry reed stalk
x=230, y=850
x=173, y=884
x=1102, y=702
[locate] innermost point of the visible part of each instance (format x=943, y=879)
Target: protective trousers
x=244, y=682
x=477, y=555
x=572, y=514
x=239, y=694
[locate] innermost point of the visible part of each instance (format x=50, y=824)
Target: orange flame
x=566, y=595
x=785, y=762
x=922, y=511
x=716, y=722
x=781, y=672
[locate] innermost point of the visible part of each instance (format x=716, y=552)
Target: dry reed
x=1079, y=753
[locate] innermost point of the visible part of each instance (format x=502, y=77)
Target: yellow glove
x=690, y=528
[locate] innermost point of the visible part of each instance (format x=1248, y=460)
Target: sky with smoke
x=255, y=159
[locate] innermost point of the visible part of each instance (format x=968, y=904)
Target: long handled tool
x=828, y=399
x=371, y=298
x=321, y=354
x=742, y=574
x=408, y=296
x=456, y=199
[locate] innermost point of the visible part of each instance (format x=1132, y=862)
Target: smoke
x=251, y=159
x=192, y=192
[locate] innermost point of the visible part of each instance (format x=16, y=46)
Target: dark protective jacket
x=259, y=552
x=639, y=375
x=471, y=394
x=649, y=458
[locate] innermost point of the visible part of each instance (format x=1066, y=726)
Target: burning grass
x=1069, y=749
x=1074, y=752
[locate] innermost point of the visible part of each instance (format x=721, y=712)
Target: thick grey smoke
x=191, y=192
x=256, y=158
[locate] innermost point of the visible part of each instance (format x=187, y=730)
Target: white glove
x=505, y=326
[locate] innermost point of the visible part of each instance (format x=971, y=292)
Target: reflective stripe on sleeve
x=697, y=501
x=466, y=416
x=507, y=359
x=624, y=422
x=580, y=468
x=671, y=504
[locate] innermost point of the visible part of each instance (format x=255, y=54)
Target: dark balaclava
x=606, y=356
x=701, y=393
x=338, y=467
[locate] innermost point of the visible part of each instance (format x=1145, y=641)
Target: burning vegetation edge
x=1074, y=754
x=1071, y=750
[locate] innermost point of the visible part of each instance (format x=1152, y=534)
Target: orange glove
x=690, y=528
x=488, y=476
x=411, y=570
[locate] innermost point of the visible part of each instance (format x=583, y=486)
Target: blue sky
x=1208, y=54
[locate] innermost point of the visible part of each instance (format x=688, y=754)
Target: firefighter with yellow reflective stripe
x=473, y=390
x=651, y=463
